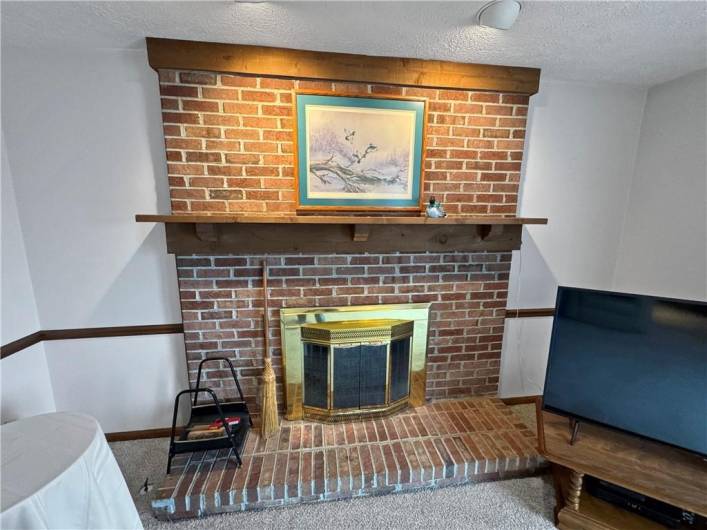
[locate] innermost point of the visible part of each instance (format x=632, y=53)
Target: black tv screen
x=632, y=362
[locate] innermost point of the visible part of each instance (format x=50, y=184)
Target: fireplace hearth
x=439, y=444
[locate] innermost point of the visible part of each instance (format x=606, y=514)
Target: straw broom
x=268, y=399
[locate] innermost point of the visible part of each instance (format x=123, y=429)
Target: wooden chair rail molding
x=145, y=434
x=533, y=399
x=530, y=312
x=163, y=329
x=303, y=64
x=87, y=333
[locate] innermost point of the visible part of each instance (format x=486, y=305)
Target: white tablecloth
x=58, y=472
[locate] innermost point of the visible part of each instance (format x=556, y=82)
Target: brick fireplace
x=229, y=147
x=228, y=116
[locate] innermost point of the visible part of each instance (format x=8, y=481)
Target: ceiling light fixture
x=499, y=14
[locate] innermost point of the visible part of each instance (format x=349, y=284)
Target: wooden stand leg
x=574, y=488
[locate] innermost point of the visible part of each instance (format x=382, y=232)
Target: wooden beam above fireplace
x=213, y=234
x=305, y=64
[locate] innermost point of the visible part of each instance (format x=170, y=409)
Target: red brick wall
x=230, y=149
x=229, y=145
x=222, y=308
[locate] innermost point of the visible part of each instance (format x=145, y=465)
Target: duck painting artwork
x=357, y=153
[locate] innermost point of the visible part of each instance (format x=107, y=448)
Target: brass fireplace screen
x=359, y=361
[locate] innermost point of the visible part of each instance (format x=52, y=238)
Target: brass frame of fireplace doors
x=291, y=322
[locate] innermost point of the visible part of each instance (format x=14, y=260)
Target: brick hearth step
x=442, y=443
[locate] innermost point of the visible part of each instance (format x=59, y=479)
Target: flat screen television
x=632, y=362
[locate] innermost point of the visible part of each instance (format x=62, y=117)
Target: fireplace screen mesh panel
x=399, y=369
x=346, y=387
x=372, y=374
x=355, y=368
x=316, y=374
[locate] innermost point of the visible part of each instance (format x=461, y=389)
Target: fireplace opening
x=344, y=363
x=357, y=367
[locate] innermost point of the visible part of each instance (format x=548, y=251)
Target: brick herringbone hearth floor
x=441, y=443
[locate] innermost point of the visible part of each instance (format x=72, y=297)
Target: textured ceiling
x=636, y=43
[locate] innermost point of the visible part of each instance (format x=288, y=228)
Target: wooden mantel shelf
x=339, y=219
x=202, y=234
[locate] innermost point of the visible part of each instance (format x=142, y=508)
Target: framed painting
x=359, y=153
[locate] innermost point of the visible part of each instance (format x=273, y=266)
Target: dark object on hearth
x=232, y=435
x=435, y=209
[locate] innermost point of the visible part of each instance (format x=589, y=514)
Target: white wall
x=25, y=386
x=19, y=311
x=626, y=195
x=87, y=154
x=664, y=242
x=83, y=131
x=131, y=381
x=578, y=163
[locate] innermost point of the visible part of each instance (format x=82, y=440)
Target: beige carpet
x=512, y=504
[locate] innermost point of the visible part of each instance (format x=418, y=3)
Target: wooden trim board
x=521, y=400
x=87, y=333
x=20, y=344
x=114, y=331
x=305, y=64
x=124, y=436
x=235, y=238
x=530, y=312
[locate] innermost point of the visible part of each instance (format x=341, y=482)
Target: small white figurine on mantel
x=435, y=209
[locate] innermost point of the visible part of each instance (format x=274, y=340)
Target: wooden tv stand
x=653, y=469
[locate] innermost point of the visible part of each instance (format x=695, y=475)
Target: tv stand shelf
x=653, y=469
